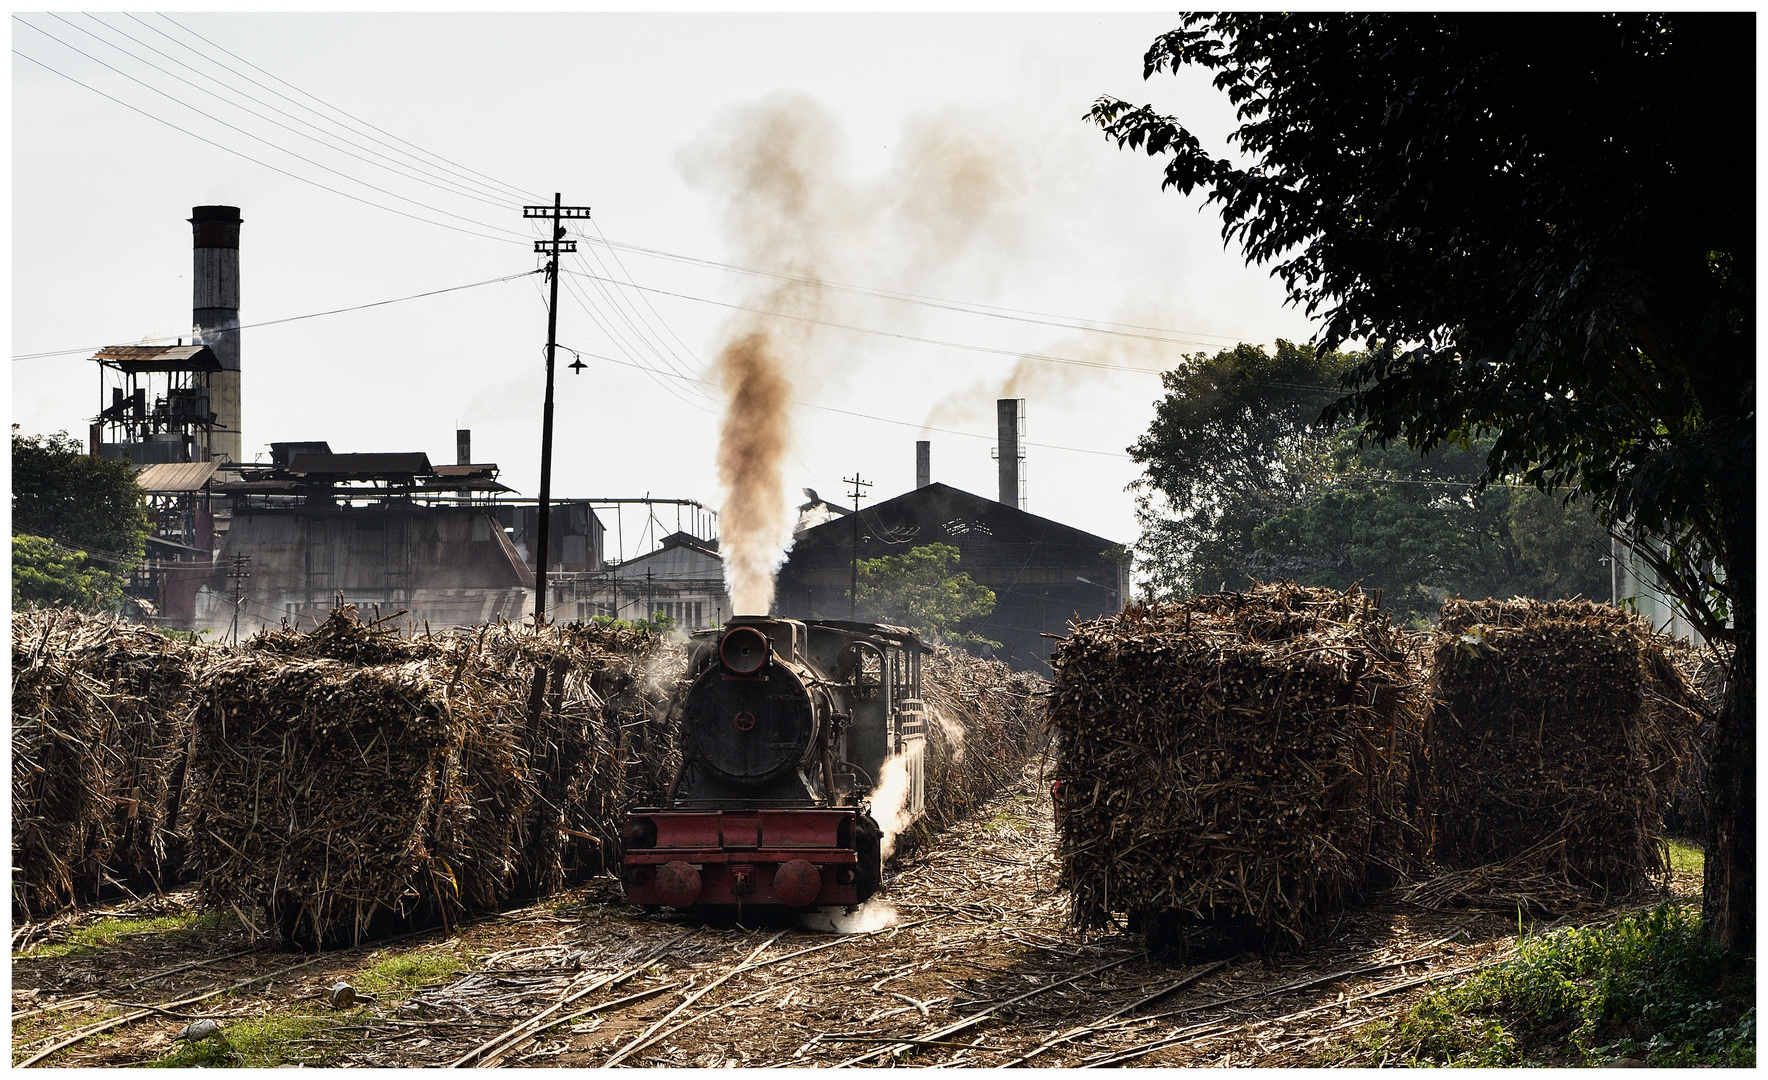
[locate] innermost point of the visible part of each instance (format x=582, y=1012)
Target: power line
x=869, y=416
x=465, y=184
x=250, y=135
x=516, y=191
x=298, y=318
x=882, y=333
x=265, y=164
x=450, y=188
x=1070, y=322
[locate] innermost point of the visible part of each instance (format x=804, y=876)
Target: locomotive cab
x=785, y=731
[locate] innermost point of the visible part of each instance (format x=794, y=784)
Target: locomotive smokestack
x=1010, y=422
x=215, y=303
x=923, y=463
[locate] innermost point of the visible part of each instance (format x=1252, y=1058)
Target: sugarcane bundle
x=100, y=734
x=1704, y=672
x=492, y=762
x=1558, y=736
x=983, y=721
x=1239, y=758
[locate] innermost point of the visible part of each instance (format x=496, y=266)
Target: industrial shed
x=1044, y=574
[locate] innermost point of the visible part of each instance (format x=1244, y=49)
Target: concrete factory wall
x=447, y=565
x=1043, y=573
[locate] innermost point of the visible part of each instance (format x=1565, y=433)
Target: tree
x=88, y=507
x=1226, y=451
x=924, y=590
x=1420, y=528
x=1544, y=229
x=45, y=574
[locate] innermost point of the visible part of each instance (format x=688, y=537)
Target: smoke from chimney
x=775, y=165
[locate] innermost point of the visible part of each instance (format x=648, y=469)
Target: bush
x=1646, y=986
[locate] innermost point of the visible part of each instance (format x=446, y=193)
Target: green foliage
x=1647, y=986
x=924, y=590
x=284, y=1038
x=1545, y=229
x=1685, y=858
x=84, y=504
x=45, y=574
x=1229, y=448
x=1546, y=226
x=1419, y=528
x=399, y=976
x=1243, y=482
x=658, y=623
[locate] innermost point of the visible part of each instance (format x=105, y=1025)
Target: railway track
x=965, y=962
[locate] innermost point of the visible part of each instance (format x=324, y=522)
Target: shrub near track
x=1645, y=987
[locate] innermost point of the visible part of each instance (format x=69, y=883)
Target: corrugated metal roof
x=175, y=476
x=139, y=358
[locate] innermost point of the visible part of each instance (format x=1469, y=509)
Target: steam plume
x=789, y=211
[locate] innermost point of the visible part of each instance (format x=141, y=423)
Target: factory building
x=1044, y=574
x=683, y=579
x=237, y=546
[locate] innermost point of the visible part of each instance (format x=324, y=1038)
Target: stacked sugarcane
x=1558, y=737
x=100, y=722
x=352, y=779
x=1236, y=759
x=983, y=721
x=1704, y=673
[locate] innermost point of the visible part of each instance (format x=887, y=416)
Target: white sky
x=616, y=112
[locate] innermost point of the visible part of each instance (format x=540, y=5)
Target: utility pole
x=853, y=587
x=551, y=248
x=237, y=574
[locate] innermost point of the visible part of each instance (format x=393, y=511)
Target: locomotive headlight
x=641, y=832
x=743, y=651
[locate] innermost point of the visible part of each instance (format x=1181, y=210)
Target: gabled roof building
x=1044, y=574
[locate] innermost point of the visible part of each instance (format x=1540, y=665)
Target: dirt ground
x=964, y=961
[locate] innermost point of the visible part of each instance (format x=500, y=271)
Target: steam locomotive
x=784, y=731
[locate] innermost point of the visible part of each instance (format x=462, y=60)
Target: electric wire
x=503, y=193
x=255, y=137
x=256, y=161
x=298, y=318
x=528, y=195
x=450, y=188
x=1070, y=322
x=884, y=419
x=890, y=333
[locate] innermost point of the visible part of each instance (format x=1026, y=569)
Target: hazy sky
x=939, y=156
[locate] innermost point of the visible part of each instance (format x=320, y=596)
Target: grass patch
x=305, y=1035
x=398, y=976
x=1686, y=858
x=102, y=933
x=288, y=1039
x=1645, y=986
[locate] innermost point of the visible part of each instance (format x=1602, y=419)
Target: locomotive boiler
x=785, y=731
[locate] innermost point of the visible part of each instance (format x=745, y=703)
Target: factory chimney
x=923, y=463
x=463, y=446
x=1010, y=421
x=215, y=288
